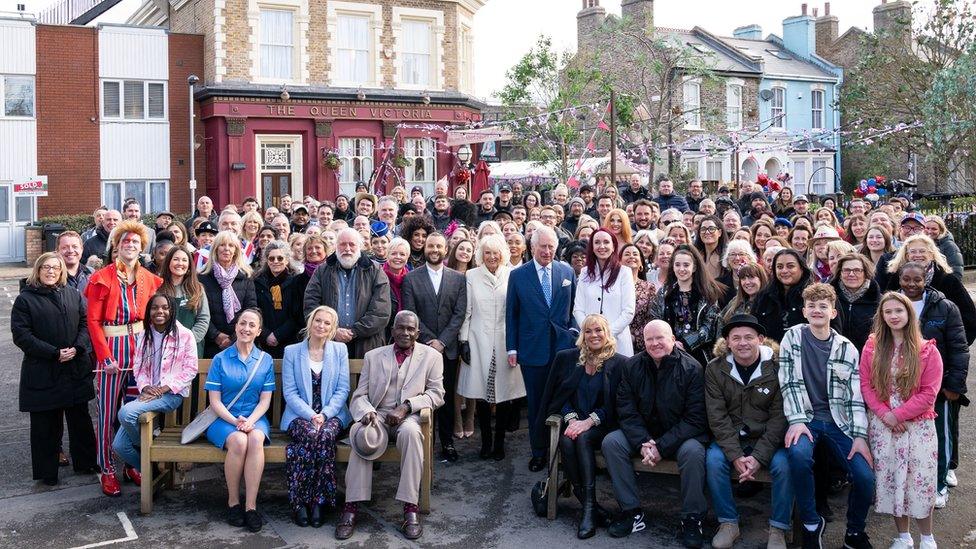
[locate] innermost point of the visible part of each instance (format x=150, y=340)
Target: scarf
x=823, y=271
x=226, y=279
x=853, y=295
x=930, y=274
x=310, y=267
x=396, y=282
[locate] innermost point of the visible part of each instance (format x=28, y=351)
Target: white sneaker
x=941, y=499
x=901, y=543
x=927, y=545
x=951, y=480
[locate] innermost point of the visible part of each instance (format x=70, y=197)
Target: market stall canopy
x=519, y=169
x=477, y=135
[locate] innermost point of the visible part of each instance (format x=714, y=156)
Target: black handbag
x=541, y=491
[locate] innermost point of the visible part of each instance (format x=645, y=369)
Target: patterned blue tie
x=546, y=286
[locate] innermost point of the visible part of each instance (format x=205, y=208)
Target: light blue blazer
x=296, y=383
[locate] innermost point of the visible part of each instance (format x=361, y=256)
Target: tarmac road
x=475, y=503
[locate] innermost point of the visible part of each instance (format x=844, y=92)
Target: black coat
x=777, y=314
x=564, y=380
x=95, y=246
x=44, y=321
x=856, y=319
x=953, y=290
x=940, y=320
x=666, y=403
x=244, y=288
x=282, y=317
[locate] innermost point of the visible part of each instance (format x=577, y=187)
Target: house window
x=464, y=57
x=416, y=52
x=800, y=177
x=778, y=109
x=356, y=156
x=420, y=155
x=713, y=170
x=691, y=168
x=18, y=95
x=817, y=109
x=152, y=196
x=133, y=100
x=818, y=183
x=277, y=44
x=733, y=106
x=691, y=91
x=354, y=58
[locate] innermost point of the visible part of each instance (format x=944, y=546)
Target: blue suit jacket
x=533, y=329
x=296, y=383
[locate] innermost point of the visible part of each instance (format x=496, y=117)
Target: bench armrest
x=147, y=417
x=425, y=416
x=555, y=420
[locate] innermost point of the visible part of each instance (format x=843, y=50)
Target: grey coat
x=441, y=315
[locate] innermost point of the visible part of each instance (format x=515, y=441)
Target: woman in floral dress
x=900, y=378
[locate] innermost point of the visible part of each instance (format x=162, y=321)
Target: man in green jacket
x=745, y=413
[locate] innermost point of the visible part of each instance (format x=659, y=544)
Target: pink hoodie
x=921, y=405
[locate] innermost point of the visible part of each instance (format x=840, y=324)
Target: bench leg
x=553, y=485
x=428, y=470
x=146, y=489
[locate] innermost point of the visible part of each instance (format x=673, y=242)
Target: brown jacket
x=735, y=405
x=423, y=386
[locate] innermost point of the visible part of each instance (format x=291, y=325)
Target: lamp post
x=191, y=81
x=464, y=156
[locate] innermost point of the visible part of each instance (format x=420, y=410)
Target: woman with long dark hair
x=279, y=296
x=180, y=281
x=710, y=241
x=689, y=302
x=644, y=292
x=752, y=279
x=780, y=305
x=607, y=288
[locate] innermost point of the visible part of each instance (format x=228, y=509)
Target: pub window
x=277, y=44
x=417, y=42
x=133, y=100
x=421, y=156
x=353, y=57
x=152, y=196
x=18, y=95
x=356, y=157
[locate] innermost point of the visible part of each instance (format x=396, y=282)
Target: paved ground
x=475, y=503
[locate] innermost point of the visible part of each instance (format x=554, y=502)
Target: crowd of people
x=826, y=344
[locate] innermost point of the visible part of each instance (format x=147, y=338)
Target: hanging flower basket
x=400, y=161
x=332, y=160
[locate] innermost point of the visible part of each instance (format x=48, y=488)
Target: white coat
x=617, y=303
x=484, y=330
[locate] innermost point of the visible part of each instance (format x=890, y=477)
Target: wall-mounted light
x=361, y=95
x=285, y=96
x=425, y=97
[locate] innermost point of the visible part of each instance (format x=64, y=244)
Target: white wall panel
x=125, y=52
x=134, y=150
x=18, y=149
x=18, y=47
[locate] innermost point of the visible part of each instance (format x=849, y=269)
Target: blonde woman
x=251, y=224
x=936, y=229
x=226, y=280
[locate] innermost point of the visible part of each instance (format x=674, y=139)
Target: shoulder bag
x=204, y=419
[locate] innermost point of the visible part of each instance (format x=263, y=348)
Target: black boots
x=493, y=447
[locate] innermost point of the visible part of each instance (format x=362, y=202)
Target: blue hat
x=783, y=221
x=378, y=229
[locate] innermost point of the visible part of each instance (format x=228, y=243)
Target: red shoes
x=130, y=474
x=110, y=485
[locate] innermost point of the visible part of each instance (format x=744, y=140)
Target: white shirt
x=316, y=366
x=919, y=305
x=435, y=277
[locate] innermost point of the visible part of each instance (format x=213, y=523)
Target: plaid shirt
x=843, y=384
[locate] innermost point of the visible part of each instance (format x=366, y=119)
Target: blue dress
x=227, y=375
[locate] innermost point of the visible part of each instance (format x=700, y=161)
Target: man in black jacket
x=98, y=243
x=661, y=412
x=635, y=191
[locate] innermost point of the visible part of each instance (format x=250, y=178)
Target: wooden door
x=273, y=187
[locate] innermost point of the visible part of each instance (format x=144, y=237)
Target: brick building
x=287, y=82
x=101, y=111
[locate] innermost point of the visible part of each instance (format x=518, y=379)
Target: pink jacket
x=921, y=405
x=179, y=366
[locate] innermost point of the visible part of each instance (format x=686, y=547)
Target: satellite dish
x=766, y=95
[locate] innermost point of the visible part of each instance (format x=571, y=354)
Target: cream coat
x=484, y=330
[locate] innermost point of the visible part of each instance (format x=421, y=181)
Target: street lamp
x=191, y=81
x=463, y=177
x=464, y=154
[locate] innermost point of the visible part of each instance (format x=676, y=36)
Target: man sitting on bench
x=745, y=413
x=666, y=383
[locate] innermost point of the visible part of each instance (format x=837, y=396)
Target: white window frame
x=817, y=118
x=466, y=75
x=436, y=19
x=693, y=167
x=691, y=105
x=297, y=164
x=711, y=164
x=148, y=206
x=818, y=171
x=800, y=174
x=777, y=121
x=430, y=162
x=145, y=106
x=3, y=97
x=733, y=107
x=347, y=184
x=375, y=14
x=300, y=56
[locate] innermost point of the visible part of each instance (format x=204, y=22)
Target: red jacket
x=103, y=294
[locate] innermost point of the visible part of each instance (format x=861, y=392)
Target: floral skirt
x=310, y=463
x=905, y=467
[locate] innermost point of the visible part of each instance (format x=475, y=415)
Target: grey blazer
x=441, y=315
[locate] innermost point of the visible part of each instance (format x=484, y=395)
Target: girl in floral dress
x=900, y=378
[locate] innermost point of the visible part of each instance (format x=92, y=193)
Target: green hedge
x=81, y=222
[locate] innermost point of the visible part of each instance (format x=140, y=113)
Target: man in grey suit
x=439, y=297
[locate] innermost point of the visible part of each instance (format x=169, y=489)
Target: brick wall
x=197, y=17
x=67, y=118
x=185, y=58
x=238, y=32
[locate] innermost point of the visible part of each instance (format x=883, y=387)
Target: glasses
x=51, y=268
x=851, y=271
x=275, y=258
x=709, y=230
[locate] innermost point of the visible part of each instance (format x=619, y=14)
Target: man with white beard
x=357, y=289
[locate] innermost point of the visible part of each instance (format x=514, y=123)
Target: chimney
x=800, y=34
x=639, y=13
x=588, y=22
x=748, y=32
x=893, y=20
x=828, y=28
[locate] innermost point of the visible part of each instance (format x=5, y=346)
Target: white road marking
x=130, y=534
x=971, y=536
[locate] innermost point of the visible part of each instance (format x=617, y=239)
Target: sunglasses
x=275, y=258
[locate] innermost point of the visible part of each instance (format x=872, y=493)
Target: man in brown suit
x=396, y=383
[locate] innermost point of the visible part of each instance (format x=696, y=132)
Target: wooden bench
x=166, y=448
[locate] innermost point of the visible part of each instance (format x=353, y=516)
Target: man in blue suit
x=538, y=323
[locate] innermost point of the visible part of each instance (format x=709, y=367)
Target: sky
x=506, y=29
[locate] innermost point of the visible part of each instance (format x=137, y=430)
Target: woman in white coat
x=485, y=373
x=603, y=289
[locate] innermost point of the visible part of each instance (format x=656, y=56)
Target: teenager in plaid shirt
x=822, y=399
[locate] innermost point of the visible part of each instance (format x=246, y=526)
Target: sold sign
x=35, y=186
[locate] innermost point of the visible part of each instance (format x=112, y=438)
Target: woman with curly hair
x=415, y=230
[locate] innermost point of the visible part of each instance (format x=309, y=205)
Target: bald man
x=98, y=243
x=661, y=412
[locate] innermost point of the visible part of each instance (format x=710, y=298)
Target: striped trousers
x=110, y=388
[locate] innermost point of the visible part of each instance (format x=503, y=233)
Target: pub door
x=273, y=187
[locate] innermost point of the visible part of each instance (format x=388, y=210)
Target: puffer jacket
x=953, y=290
x=940, y=320
x=753, y=405
x=947, y=245
x=665, y=403
x=856, y=318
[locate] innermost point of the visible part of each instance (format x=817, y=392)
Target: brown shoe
x=412, y=528
x=346, y=525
